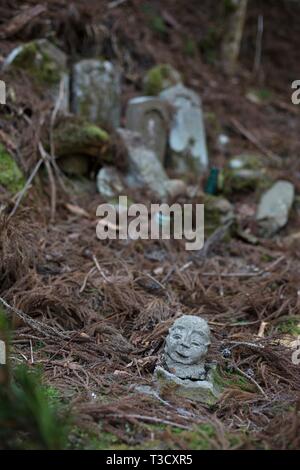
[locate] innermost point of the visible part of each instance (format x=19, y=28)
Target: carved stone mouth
x=184, y=356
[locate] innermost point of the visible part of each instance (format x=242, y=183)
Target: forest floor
x=95, y=314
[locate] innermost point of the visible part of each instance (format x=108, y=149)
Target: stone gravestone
x=96, y=92
x=185, y=367
x=149, y=116
x=187, y=139
x=145, y=170
x=47, y=65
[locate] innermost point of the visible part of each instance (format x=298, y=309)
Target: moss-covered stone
x=159, y=78
x=45, y=64
x=42, y=60
x=81, y=147
x=96, y=92
x=217, y=211
x=74, y=136
x=244, y=173
x=11, y=177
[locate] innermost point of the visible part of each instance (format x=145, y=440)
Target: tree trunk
x=233, y=35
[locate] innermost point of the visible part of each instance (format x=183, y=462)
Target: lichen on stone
x=11, y=177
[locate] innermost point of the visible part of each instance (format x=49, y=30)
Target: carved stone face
x=188, y=340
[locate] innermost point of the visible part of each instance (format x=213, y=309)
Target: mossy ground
x=154, y=437
x=214, y=214
x=290, y=326
x=232, y=379
x=249, y=176
x=32, y=415
x=11, y=177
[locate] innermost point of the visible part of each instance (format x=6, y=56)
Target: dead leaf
x=76, y=210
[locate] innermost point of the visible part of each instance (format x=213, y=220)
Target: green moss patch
x=226, y=379
x=290, y=327
x=78, y=137
x=38, y=63
x=11, y=177
x=244, y=173
x=217, y=211
x=159, y=78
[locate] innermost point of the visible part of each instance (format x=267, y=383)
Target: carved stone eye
x=177, y=336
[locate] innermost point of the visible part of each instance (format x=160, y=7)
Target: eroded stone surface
x=96, y=92
x=187, y=139
x=203, y=391
x=186, y=347
x=149, y=116
x=184, y=364
x=109, y=183
x=144, y=168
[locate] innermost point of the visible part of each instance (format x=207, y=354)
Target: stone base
x=203, y=391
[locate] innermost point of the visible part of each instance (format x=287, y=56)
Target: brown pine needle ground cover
x=93, y=315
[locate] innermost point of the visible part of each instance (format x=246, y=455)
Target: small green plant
x=158, y=25
x=154, y=19
x=209, y=45
x=11, y=177
x=190, y=47
x=31, y=414
x=290, y=326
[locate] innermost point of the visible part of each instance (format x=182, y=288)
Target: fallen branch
x=42, y=328
x=255, y=141
x=27, y=185
x=21, y=20
x=250, y=378
x=46, y=157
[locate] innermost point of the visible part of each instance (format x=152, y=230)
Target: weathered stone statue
x=186, y=347
x=184, y=363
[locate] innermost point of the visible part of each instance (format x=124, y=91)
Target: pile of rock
x=165, y=125
x=168, y=121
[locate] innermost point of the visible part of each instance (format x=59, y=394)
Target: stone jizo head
x=188, y=340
